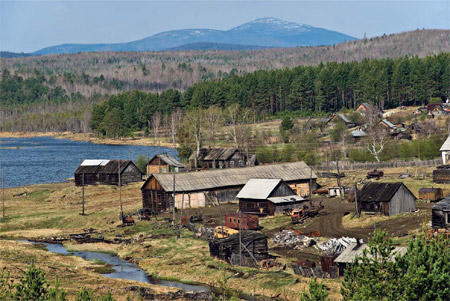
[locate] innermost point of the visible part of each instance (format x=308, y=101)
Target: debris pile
x=289, y=239
x=205, y=232
x=335, y=246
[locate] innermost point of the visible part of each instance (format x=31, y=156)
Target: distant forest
x=329, y=87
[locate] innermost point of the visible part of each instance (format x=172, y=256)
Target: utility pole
x=240, y=236
x=338, y=176
x=120, y=191
x=310, y=187
x=181, y=216
x=173, y=199
x=355, y=189
x=82, y=185
x=3, y=192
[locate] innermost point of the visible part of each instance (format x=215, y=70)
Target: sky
x=29, y=25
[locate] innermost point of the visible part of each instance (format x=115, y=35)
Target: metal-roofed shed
x=106, y=172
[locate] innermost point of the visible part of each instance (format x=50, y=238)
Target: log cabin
x=106, y=172
x=163, y=163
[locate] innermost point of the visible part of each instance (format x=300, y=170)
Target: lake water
x=39, y=160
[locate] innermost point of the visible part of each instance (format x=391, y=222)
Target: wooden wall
x=402, y=201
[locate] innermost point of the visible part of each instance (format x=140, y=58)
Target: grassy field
x=50, y=210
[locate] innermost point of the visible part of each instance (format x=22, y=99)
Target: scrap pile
x=289, y=239
x=336, y=246
x=205, y=232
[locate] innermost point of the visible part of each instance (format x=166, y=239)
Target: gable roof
x=168, y=159
x=218, y=154
x=443, y=205
x=380, y=192
x=232, y=177
x=358, y=133
x=342, y=116
x=354, y=250
x=103, y=166
x=259, y=189
x=388, y=123
x=446, y=145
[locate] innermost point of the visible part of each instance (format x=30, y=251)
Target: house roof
x=103, y=166
x=388, y=123
x=259, y=189
x=379, y=192
x=286, y=199
x=169, y=160
x=446, y=145
x=442, y=205
x=218, y=154
x=354, y=250
x=358, y=133
x=232, y=177
x=345, y=119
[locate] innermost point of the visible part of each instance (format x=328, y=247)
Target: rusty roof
x=232, y=177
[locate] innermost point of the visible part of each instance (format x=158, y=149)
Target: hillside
x=267, y=32
x=216, y=46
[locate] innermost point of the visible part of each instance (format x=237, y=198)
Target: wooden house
x=106, y=172
x=341, y=118
x=255, y=243
x=197, y=189
x=247, y=221
x=386, y=124
x=441, y=175
x=268, y=197
x=364, y=107
x=440, y=214
x=210, y=158
x=430, y=194
x=163, y=163
x=385, y=199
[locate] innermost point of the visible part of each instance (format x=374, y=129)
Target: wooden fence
x=345, y=165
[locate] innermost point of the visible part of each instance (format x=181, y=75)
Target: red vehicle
x=249, y=221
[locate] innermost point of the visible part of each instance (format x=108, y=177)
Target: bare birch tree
x=232, y=120
x=375, y=141
x=156, y=124
x=194, y=125
x=175, y=120
x=214, y=119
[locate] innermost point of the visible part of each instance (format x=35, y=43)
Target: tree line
x=386, y=83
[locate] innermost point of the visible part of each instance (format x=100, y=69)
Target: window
x=231, y=164
x=164, y=169
x=447, y=218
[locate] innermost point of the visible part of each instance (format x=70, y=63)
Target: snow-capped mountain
x=262, y=32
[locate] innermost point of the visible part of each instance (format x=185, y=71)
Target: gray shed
x=386, y=198
x=440, y=214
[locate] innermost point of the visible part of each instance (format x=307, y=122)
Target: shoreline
x=86, y=137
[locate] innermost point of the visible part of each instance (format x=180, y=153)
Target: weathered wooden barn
x=430, y=194
x=385, y=198
x=106, y=172
x=197, y=189
x=255, y=248
x=440, y=214
x=268, y=197
x=163, y=163
x=210, y=158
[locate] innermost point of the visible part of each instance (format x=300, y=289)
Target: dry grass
x=351, y=221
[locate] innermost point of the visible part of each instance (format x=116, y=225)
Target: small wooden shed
x=163, y=163
x=385, y=198
x=247, y=221
x=440, y=214
x=106, y=172
x=255, y=248
x=268, y=197
x=430, y=194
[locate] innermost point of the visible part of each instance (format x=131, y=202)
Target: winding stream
x=124, y=269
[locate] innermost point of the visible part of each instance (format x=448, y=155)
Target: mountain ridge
x=262, y=32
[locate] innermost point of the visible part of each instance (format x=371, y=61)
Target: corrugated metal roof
x=169, y=160
x=221, y=154
x=211, y=179
x=358, y=133
x=94, y=162
x=379, y=192
x=342, y=116
x=389, y=124
x=353, y=251
x=286, y=199
x=111, y=167
x=446, y=145
x=443, y=205
x=258, y=189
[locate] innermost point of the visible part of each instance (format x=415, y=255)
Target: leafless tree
x=214, y=119
x=156, y=124
x=232, y=120
x=175, y=120
x=194, y=125
x=375, y=141
x=428, y=128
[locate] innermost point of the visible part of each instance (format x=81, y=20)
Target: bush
x=317, y=291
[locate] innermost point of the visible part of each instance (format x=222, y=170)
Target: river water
x=38, y=160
